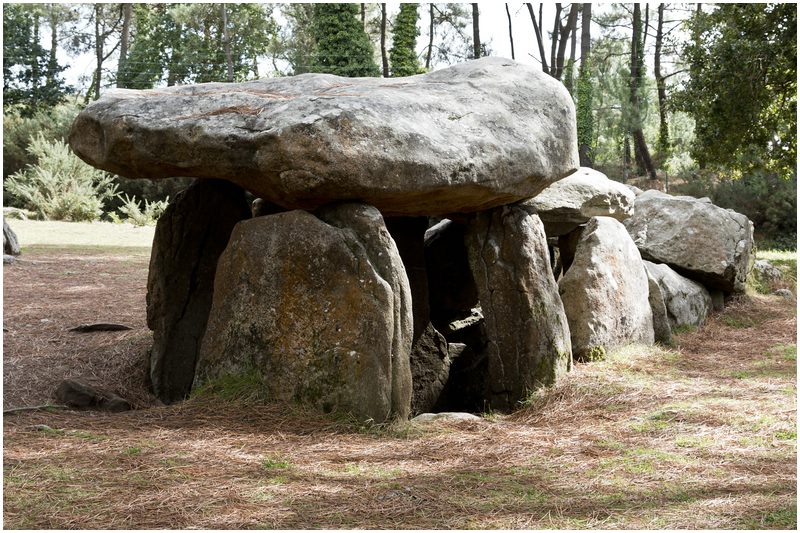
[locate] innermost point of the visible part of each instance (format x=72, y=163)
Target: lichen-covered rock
x=430, y=369
x=687, y=302
x=189, y=238
x=318, y=309
x=662, y=330
x=10, y=241
x=605, y=292
x=573, y=200
x=476, y=135
x=528, y=339
x=703, y=242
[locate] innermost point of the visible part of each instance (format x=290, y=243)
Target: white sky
x=493, y=28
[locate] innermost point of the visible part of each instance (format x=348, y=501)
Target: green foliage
x=296, y=42
x=742, y=90
x=342, y=46
x=60, y=186
x=183, y=43
x=31, y=76
x=403, y=54
x=133, y=213
x=583, y=113
x=20, y=128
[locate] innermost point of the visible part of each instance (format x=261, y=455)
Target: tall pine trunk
x=510, y=33
x=639, y=144
x=384, y=58
x=663, y=128
x=537, y=29
x=430, y=41
x=226, y=43
x=124, y=40
x=476, y=32
x=585, y=95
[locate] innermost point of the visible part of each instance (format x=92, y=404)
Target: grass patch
x=784, y=351
x=682, y=329
x=738, y=322
x=248, y=387
x=272, y=463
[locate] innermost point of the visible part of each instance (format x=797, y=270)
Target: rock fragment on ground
x=687, y=302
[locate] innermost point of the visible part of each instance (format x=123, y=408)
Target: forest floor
x=702, y=435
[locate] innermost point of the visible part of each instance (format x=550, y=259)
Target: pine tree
x=343, y=48
x=403, y=54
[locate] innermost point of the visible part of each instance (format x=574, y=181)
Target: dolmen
x=386, y=247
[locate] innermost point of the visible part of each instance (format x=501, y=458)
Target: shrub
x=19, y=131
x=134, y=214
x=59, y=186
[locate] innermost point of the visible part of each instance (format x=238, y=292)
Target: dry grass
x=702, y=436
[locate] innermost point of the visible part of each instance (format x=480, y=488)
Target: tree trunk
x=175, y=58
x=585, y=96
x=127, y=14
x=554, y=41
x=430, y=42
x=586, y=41
x=663, y=128
x=537, y=30
x=364, y=16
x=476, y=33
x=226, y=43
x=646, y=26
x=564, y=31
x=52, y=63
x=510, y=33
x=640, y=146
x=98, y=49
x=384, y=58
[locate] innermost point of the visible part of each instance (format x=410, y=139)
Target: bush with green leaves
x=59, y=186
x=20, y=130
x=133, y=212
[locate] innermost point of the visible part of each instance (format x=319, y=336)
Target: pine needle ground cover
x=701, y=435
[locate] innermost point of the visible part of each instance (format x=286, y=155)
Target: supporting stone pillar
x=316, y=309
x=528, y=337
x=189, y=238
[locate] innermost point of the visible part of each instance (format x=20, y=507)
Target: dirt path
x=703, y=436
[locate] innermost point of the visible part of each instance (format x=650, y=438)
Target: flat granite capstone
x=467, y=138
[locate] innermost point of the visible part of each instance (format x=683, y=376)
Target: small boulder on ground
x=699, y=240
x=10, y=241
x=78, y=394
x=687, y=302
x=605, y=292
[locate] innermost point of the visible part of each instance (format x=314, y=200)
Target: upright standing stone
x=529, y=344
x=189, y=238
x=605, y=291
x=316, y=310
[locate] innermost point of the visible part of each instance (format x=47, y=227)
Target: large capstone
x=703, y=242
x=572, y=201
x=605, y=291
x=528, y=338
x=189, y=238
x=316, y=310
x=687, y=302
x=476, y=135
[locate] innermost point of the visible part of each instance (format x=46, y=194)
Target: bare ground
x=700, y=436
